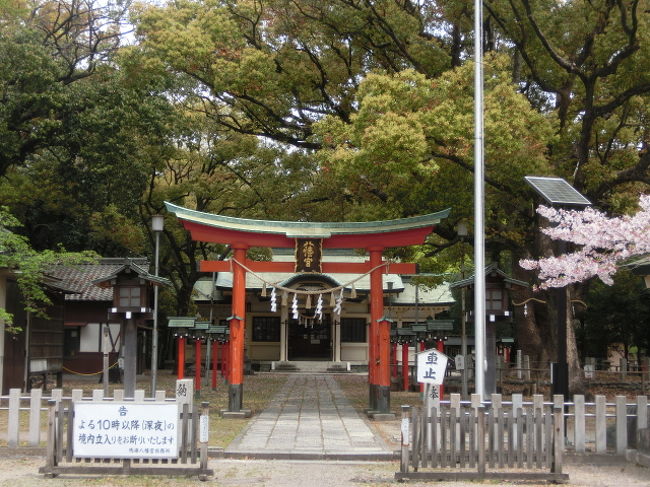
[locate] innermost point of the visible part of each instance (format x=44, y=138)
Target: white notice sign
x=432, y=365
x=125, y=430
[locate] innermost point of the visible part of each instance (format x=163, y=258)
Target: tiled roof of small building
x=80, y=277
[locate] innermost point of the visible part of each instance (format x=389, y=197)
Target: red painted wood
x=289, y=267
x=393, y=360
x=237, y=331
x=215, y=359
x=400, y=238
x=180, y=373
x=405, y=366
x=197, y=366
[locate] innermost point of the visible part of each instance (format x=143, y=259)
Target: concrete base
x=382, y=399
x=235, y=396
x=241, y=414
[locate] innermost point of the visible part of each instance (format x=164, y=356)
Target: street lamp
x=557, y=192
x=157, y=225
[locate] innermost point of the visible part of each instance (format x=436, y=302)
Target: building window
x=71, y=341
x=494, y=299
x=353, y=330
x=129, y=297
x=266, y=329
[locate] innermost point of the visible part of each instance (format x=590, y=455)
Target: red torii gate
x=374, y=237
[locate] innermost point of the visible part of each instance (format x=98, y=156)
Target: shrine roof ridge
x=293, y=229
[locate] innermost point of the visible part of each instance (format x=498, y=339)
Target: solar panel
x=557, y=191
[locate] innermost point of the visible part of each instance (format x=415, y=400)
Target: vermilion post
x=405, y=366
x=380, y=334
x=180, y=373
x=393, y=359
x=197, y=366
x=237, y=330
x=215, y=360
x=225, y=367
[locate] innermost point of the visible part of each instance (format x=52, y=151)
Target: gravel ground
x=23, y=472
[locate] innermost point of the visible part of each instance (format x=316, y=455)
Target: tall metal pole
x=479, y=210
x=157, y=222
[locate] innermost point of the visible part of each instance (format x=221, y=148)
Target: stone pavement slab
x=309, y=417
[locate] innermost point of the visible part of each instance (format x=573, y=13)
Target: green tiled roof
x=306, y=229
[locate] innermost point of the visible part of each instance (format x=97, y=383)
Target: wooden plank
x=426, y=441
x=490, y=436
x=60, y=421
x=510, y=425
x=538, y=437
x=57, y=395
x=69, y=433
x=501, y=438
x=110, y=471
x=473, y=425
x=530, y=436
x=184, y=431
x=13, y=428
x=290, y=267
x=98, y=395
x=517, y=403
x=519, y=449
x=558, y=437
x=77, y=395
x=548, y=440
x=443, y=437
x=621, y=425
x=453, y=445
x=435, y=437
x=601, y=424
x=50, y=447
x=406, y=438
x=415, y=447
x=579, y=423
x=535, y=477
x=35, y=397
x=195, y=433
x=480, y=434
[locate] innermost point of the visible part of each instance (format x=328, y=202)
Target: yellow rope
x=299, y=291
x=92, y=373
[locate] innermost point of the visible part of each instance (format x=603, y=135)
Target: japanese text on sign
x=125, y=430
x=432, y=365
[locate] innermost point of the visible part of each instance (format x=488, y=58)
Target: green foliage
x=29, y=266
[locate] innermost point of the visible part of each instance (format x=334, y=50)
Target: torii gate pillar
x=237, y=335
x=379, y=341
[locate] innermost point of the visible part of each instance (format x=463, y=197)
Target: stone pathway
x=309, y=418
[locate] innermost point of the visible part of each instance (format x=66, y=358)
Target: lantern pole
x=157, y=225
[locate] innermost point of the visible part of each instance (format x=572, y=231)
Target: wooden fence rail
x=456, y=439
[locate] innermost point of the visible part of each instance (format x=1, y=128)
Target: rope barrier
x=88, y=374
x=304, y=292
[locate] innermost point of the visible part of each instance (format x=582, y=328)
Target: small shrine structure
x=308, y=239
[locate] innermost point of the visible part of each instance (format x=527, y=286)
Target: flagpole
x=479, y=207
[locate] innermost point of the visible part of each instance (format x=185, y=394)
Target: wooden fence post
x=203, y=438
x=35, y=397
x=621, y=425
x=558, y=443
x=601, y=424
x=641, y=412
x=13, y=430
x=50, y=456
x=405, y=430
x=481, y=439
x=579, y=422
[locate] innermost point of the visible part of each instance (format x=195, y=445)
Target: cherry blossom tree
x=603, y=243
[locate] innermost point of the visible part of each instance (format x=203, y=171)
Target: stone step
x=321, y=366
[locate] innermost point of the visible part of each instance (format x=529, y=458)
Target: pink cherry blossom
x=603, y=243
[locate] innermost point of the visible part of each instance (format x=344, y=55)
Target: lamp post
x=157, y=225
